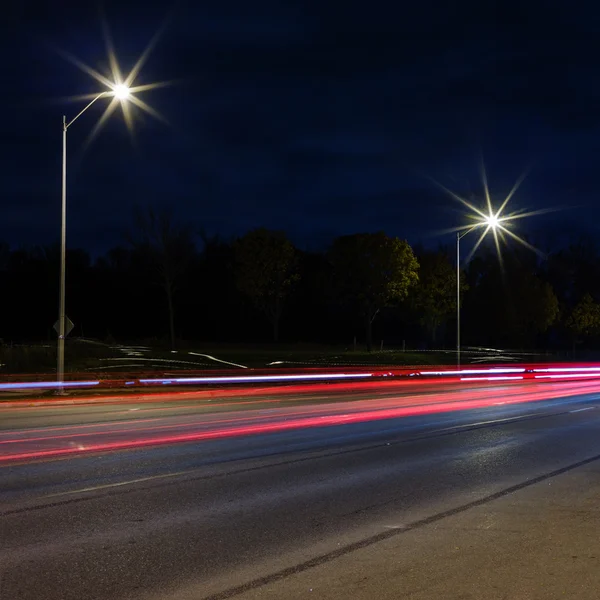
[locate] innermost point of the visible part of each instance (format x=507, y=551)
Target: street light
x=121, y=92
x=491, y=222
x=496, y=221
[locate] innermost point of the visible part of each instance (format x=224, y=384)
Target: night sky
x=319, y=118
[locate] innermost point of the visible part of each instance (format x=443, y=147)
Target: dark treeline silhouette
x=169, y=284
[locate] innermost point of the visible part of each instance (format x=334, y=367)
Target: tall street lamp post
x=492, y=220
x=121, y=92
x=491, y=223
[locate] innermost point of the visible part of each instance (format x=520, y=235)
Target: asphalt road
x=232, y=515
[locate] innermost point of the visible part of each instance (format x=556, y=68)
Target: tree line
x=168, y=283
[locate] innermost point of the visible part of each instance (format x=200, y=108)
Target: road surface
x=295, y=498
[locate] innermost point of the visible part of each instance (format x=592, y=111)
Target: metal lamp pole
x=458, y=236
x=60, y=370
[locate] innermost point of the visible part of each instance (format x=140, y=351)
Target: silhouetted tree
x=534, y=308
x=584, y=320
x=508, y=302
x=372, y=271
x=575, y=271
x=267, y=268
x=313, y=312
x=169, y=248
x=220, y=300
x=218, y=291
x=434, y=297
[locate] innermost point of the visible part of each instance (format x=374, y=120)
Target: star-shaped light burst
x=489, y=219
x=121, y=91
x=120, y=88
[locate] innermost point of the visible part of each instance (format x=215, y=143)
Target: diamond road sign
x=68, y=326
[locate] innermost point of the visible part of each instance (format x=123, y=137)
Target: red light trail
x=79, y=440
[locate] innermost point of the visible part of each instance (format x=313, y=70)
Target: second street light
x=491, y=223
x=496, y=221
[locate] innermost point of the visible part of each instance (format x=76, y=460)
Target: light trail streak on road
x=79, y=439
x=310, y=375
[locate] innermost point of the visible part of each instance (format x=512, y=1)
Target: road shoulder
x=540, y=542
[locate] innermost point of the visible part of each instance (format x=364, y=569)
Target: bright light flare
x=121, y=87
x=494, y=221
x=121, y=91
